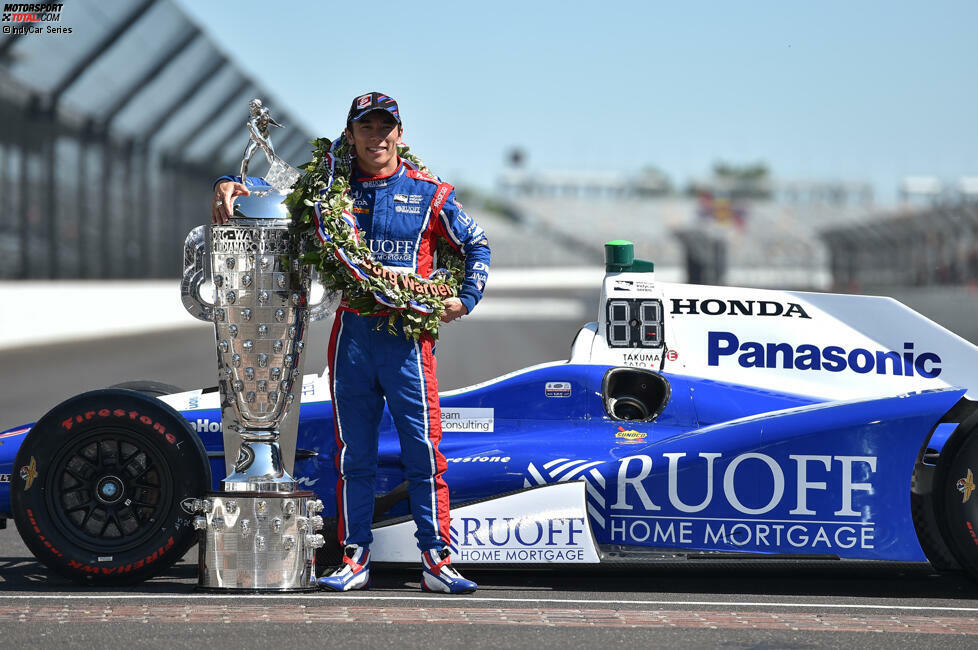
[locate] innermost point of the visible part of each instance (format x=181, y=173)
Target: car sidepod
x=828, y=479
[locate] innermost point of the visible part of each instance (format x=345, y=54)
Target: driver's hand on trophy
x=222, y=206
x=453, y=309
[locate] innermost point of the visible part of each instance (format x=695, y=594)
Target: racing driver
x=402, y=213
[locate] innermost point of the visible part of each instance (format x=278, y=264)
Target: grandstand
x=111, y=136
x=923, y=247
x=768, y=241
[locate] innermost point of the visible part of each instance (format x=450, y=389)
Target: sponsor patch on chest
x=408, y=198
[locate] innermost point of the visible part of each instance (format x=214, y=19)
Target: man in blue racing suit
x=402, y=213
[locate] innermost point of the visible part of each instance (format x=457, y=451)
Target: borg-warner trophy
x=259, y=532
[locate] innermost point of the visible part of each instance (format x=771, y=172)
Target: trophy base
x=256, y=542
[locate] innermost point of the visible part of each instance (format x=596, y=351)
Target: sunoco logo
x=631, y=435
x=716, y=307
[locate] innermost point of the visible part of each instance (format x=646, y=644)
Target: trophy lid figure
x=260, y=137
x=281, y=175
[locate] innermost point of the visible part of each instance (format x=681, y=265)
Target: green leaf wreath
x=317, y=204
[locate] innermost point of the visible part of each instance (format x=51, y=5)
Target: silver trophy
x=259, y=533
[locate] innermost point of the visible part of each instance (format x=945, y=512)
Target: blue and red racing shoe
x=438, y=575
x=354, y=573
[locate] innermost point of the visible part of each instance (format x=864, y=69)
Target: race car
x=689, y=422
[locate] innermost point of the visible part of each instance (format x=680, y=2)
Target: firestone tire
x=956, y=498
x=98, y=484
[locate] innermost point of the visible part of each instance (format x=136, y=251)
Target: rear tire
x=955, y=498
x=98, y=483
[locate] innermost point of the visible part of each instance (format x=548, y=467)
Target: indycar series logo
x=833, y=358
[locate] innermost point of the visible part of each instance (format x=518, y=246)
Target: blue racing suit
x=402, y=217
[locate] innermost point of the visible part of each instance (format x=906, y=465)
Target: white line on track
x=463, y=600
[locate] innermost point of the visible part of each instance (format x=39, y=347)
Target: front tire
x=98, y=484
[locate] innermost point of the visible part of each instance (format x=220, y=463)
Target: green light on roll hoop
x=619, y=256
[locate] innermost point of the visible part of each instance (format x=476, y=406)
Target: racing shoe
x=354, y=573
x=438, y=575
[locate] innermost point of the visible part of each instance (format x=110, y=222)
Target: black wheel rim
x=109, y=490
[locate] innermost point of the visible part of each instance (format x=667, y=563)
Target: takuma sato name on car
x=833, y=358
x=717, y=514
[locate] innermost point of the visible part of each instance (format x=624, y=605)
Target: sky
x=854, y=91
